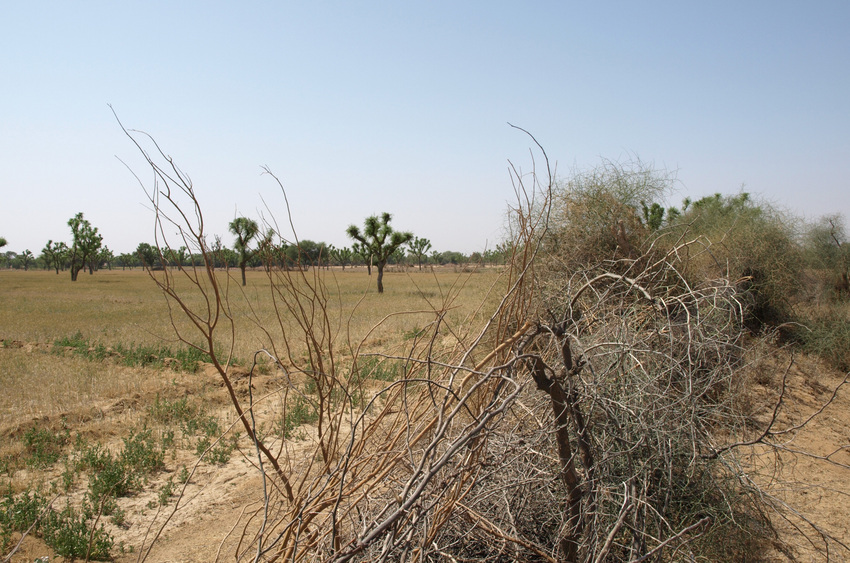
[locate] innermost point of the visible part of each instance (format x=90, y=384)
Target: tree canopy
x=86, y=245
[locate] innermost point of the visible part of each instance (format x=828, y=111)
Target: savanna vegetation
x=619, y=390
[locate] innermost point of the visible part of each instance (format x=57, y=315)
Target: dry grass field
x=126, y=308
x=114, y=306
x=62, y=367
x=74, y=408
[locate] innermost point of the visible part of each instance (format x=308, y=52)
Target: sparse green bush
x=605, y=213
x=18, y=513
x=68, y=532
x=71, y=535
x=827, y=334
x=186, y=359
x=752, y=242
x=116, y=476
x=44, y=447
x=299, y=411
x=143, y=453
x=827, y=253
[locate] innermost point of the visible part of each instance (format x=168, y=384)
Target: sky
x=404, y=107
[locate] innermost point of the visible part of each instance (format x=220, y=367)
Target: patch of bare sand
x=222, y=501
x=808, y=474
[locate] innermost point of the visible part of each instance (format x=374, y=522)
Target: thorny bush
x=578, y=423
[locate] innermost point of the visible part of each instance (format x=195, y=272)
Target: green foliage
x=419, y=248
x=245, y=230
x=300, y=410
x=68, y=532
x=193, y=421
x=86, y=245
x=143, y=453
x=166, y=492
x=754, y=243
x=17, y=514
x=378, y=241
x=55, y=255
x=183, y=359
x=342, y=256
x=653, y=215
x=110, y=480
x=149, y=256
x=827, y=334
x=379, y=368
x=827, y=253
x=71, y=535
x=179, y=411
x=113, y=476
x=43, y=446
x=603, y=214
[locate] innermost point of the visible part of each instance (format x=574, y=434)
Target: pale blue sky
x=366, y=107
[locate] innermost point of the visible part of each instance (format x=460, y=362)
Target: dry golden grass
x=126, y=308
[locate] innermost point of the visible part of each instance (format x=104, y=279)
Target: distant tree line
x=252, y=248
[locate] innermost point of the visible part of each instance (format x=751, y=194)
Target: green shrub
x=605, y=213
x=299, y=411
x=44, y=447
x=752, y=242
x=827, y=335
x=142, y=453
x=374, y=367
x=71, y=535
x=112, y=479
x=116, y=476
x=67, y=532
x=827, y=253
x=17, y=514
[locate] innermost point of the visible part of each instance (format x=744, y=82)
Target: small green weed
x=67, y=532
x=183, y=359
x=44, y=448
x=300, y=411
x=166, y=491
x=71, y=535
x=377, y=368
x=412, y=334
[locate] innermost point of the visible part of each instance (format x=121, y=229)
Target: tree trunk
x=380, y=267
x=242, y=267
x=560, y=407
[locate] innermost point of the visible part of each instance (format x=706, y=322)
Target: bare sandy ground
x=221, y=501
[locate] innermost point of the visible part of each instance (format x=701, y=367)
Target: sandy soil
x=219, y=501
